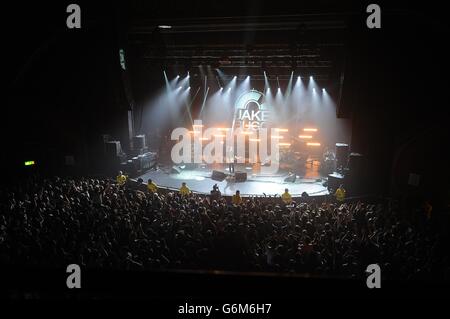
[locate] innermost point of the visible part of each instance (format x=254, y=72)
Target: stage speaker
x=341, y=154
x=130, y=168
x=112, y=148
x=137, y=163
x=218, y=176
x=290, y=178
x=355, y=163
x=139, y=142
x=335, y=180
x=175, y=170
x=240, y=176
x=148, y=160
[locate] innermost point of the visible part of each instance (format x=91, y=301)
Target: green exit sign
x=30, y=163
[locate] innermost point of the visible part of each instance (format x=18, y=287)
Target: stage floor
x=199, y=181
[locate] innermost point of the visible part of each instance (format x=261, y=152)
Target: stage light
x=310, y=130
x=285, y=144
x=305, y=136
x=189, y=88
x=323, y=90
x=311, y=77
x=313, y=144
x=246, y=133
x=254, y=140
x=281, y=130
x=164, y=26
x=277, y=137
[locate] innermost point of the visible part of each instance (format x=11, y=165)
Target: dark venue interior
x=357, y=116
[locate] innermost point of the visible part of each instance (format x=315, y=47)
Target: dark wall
x=396, y=94
x=65, y=87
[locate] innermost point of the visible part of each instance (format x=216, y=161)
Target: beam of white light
x=231, y=84
x=173, y=82
x=243, y=87
x=266, y=82
x=289, y=87
x=168, y=87
x=204, y=100
x=312, y=83
x=184, y=82
x=279, y=98
x=188, y=104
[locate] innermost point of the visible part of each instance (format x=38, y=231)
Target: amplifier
x=218, y=176
x=240, y=176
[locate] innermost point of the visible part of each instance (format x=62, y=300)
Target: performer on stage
x=231, y=167
x=232, y=160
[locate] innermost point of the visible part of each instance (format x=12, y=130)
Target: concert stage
x=199, y=181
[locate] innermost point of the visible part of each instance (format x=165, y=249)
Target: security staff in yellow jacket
x=121, y=179
x=340, y=194
x=286, y=197
x=152, y=187
x=236, y=199
x=184, y=190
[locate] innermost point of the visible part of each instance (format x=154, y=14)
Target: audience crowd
x=99, y=223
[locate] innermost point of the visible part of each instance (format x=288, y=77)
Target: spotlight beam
x=188, y=106
x=204, y=101
x=218, y=81
x=289, y=88
x=167, y=82
x=266, y=82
